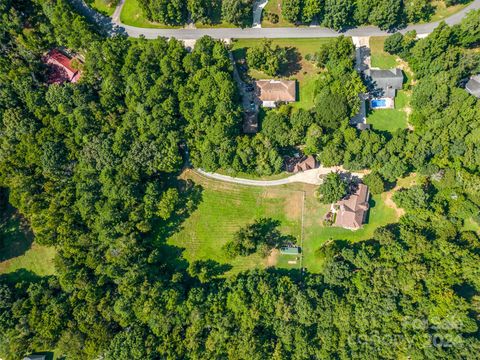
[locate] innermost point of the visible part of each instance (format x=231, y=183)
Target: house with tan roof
x=272, y=92
x=351, y=212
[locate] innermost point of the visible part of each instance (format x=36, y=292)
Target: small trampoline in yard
x=382, y=103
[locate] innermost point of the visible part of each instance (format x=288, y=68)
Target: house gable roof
x=277, y=90
x=352, y=210
x=387, y=80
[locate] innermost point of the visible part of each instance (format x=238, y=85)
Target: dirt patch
x=272, y=259
x=293, y=206
x=391, y=204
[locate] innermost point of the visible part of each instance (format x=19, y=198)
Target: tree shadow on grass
x=191, y=195
x=292, y=65
x=19, y=276
x=15, y=234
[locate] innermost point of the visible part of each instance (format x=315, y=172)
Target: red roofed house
x=61, y=68
x=351, y=212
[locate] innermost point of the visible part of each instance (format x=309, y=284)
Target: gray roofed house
x=473, y=86
x=386, y=81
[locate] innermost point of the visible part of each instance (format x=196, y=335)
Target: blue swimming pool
x=378, y=103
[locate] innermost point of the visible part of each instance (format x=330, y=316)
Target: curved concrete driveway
x=293, y=32
x=312, y=177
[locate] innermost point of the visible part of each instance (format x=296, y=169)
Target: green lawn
x=132, y=15
x=379, y=58
x=316, y=234
x=471, y=225
x=275, y=7
x=306, y=73
x=443, y=11
x=391, y=119
x=225, y=208
x=103, y=7
x=18, y=252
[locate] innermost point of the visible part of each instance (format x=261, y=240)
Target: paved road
x=294, y=32
x=113, y=25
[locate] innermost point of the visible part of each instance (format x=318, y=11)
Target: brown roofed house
x=352, y=211
x=271, y=92
x=306, y=164
x=61, y=68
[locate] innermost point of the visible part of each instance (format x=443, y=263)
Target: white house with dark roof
x=473, y=86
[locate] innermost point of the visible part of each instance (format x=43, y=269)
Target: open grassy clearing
x=379, y=58
x=18, y=252
x=471, y=225
x=443, y=11
x=391, y=119
x=132, y=15
x=103, y=7
x=274, y=7
x=304, y=71
x=224, y=208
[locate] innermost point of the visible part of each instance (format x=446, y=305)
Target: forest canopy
x=93, y=167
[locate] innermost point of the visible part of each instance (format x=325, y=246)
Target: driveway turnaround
x=251, y=33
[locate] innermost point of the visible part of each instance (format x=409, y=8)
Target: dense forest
x=93, y=167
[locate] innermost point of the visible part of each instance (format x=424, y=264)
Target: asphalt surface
x=292, y=32
x=114, y=26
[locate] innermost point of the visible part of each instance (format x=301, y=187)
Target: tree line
x=341, y=14
x=178, y=12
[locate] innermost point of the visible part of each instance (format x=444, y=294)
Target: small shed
x=290, y=250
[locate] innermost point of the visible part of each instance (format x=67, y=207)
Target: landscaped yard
x=224, y=208
x=18, y=252
x=103, y=6
x=391, y=119
x=132, y=15
x=304, y=71
x=274, y=7
x=316, y=234
x=379, y=58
